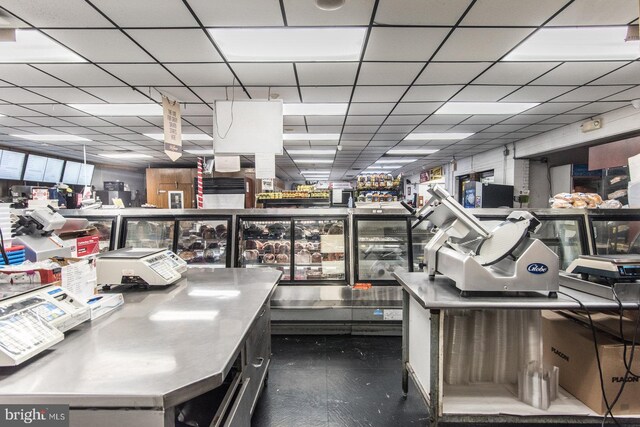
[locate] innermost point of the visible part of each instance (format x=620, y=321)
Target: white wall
x=136, y=179
x=539, y=185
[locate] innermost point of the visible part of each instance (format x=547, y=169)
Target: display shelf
x=296, y=202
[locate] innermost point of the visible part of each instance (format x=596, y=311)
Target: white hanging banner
x=265, y=165
x=267, y=184
x=227, y=163
x=172, y=128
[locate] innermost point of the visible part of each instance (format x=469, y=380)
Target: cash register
x=139, y=266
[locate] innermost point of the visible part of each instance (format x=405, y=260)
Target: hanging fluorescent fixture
x=426, y=136
x=47, y=138
x=312, y=161
x=119, y=109
x=469, y=108
x=337, y=109
x=328, y=152
x=311, y=137
x=577, y=44
x=396, y=160
x=125, y=155
x=409, y=152
x=203, y=152
x=185, y=136
x=289, y=44
x=32, y=46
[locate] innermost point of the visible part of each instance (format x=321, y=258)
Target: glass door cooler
x=319, y=250
x=615, y=231
x=265, y=242
x=204, y=241
x=148, y=232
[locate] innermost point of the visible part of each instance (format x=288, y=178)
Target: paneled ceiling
x=417, y=56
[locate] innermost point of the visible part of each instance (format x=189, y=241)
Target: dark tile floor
x=337, y=381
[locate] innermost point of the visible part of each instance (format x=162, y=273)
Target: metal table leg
x=405, y=343
x=434, y=362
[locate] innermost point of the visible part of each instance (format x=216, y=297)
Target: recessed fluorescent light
x=119, y=109
x=32, y=46
x=316, y=172
x=331, y=152
x=313, y=160
x=203, y=152
x=311, y=136
x=171, y=315
x=289, y=44
x=52, y=137
x=576, y=44
x=396, y=160
x=485, y=107
x=338, y=109
x=2, y=115
x=185, y=136
x=374, y=166
x=415, y=151
x=425, y=136
x=125, y=155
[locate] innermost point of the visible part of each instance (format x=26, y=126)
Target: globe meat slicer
x=503, y=259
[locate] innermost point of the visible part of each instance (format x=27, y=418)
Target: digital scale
x=33, y=321
x=613, y=268
x=139, y=266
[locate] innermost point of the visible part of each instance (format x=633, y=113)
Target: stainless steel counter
x=163, y=347
x=441, y=293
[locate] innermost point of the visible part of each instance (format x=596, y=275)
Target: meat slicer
x=502, y=259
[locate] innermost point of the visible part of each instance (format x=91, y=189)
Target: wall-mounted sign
x=172, y=128
x=436, y=173
x=425, y=176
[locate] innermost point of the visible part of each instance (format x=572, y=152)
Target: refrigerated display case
x=265, y=243
x=615, y=231
x=148, y=232
x=319, y=250
x=203, y=241
x=105, y=222
x=382, y=246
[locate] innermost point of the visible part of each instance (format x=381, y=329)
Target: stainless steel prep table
x=423, y=352
x=162, y=348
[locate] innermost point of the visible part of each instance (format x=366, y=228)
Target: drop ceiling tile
x=542, y=127
x=118, y=94
x=527, y=119
x=576, y=73
x=127, y=121
x=25, y=75
x=537, y=93
x=446, y=119
x=142, y=74
x=66, y=95
x=420, y=12
x=388, y=73
x=481, y=44
x=87, y=121
x=466, y=127
x=627, y=95
x=515, y=12
x=403, y=44
x=325, y=129
x=486, y=119
x=386, y=144
x=365, y=120
x=198, y=120
x=260, y=74
x=355, y=136
x=590, y=93
x=326, y=94
x=421, y=108
x=505, y=128
x=567, y=118
x=378, y=93
x=20, y=96
x=325, y=120
x=518, y=73
x=599, y=107
x=211, y=94
x=479, y=93
x=327, y=74
x=57, y=110
x=17, y=111
x=240, y=13
x=114, y=46
x=202, y=74
x=146, y=13
x=431, y=93
x=198, y=109
x=13, y=122
x=177, y=45
x=61, y=13
x=302, y=13
x=360, y=129
x=180, y=93
x=371, y=108
x=629, y=74
x=398, y=119
x=80, y=74
x=287, y=94
x=396, y=128
x=582, y=13
x=451, y=73
x=293, y=120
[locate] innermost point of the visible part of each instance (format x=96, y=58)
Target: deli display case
x=149, y=232
x=203, y=241
x=615, y=231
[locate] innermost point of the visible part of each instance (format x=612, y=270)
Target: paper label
x=392, y=314
x=265, y=165
x=80, y=278
x=332, y=244
x=332, y=267
x=227, y=163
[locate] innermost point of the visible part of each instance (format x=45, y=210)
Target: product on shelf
x=576, y=200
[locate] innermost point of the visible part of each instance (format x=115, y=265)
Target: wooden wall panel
x=162, y=180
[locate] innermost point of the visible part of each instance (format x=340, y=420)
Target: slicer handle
x=408, y=207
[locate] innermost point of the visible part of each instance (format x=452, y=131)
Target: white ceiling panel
x=142, y=74
x=80, y=74
x=481, y=44
x=326, y=94
x=597, y=12
x=537, y=93
x=265, y=74
x=238, y=13
x=118, y=94
x=576, y=73
x=198, y=109
x=327, y=74
x=202, y=74
x=371, y=108
x=483, y=93
x=303, y=13
x=567, y=118
x=420, y=12
x=630, y=74
x=361, y=129
x=590, y=93
x=388, y=73
x=432, y=93
x=451, y=73
x=66, y=95
x=627, y=95
x=25, y=75
x=181, y=93
x=444, y=119
x=57, y=110
x=114, y=46
x=10, y=121
x=511, y=12
x=210, y=94
x=527, y=118
x=518, y=73
x=177, y=45
x=287, y=94
x=324, y=120
x=396, y=128
x=49, y=121
x=599, y=107
x=20, y=96
x=421, y=108
x=378, y=93
x=293, y=120
x=403, y=44
x=17, y=111
x=365, y=120
x=485, y=119
x=147, y=13
x=397, y=119
x=50, y=14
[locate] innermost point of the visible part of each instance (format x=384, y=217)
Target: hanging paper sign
x=267, y=185
x=265, y=165
x=172, y=128
x=227, y=163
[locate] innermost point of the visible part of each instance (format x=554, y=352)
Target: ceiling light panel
x=289, y=44
x=313, y=161
x=427, y=136
x=125, y=155
x=396, y=160
x=408, y=152
x=337, y=109
x=185, y=136
x=32, y=46
x=311, y=152
x=576, y=44
x=119, y=109
x=485, y=107
x=46, y=138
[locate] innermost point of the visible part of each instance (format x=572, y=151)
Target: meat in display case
x=319, y=248
x=149, y=233
x=265, y=243
x=382, y=247
x=105, y=229
x=203, y=242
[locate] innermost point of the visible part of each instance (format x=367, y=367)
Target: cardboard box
x=83, y=242
x=568, y=344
